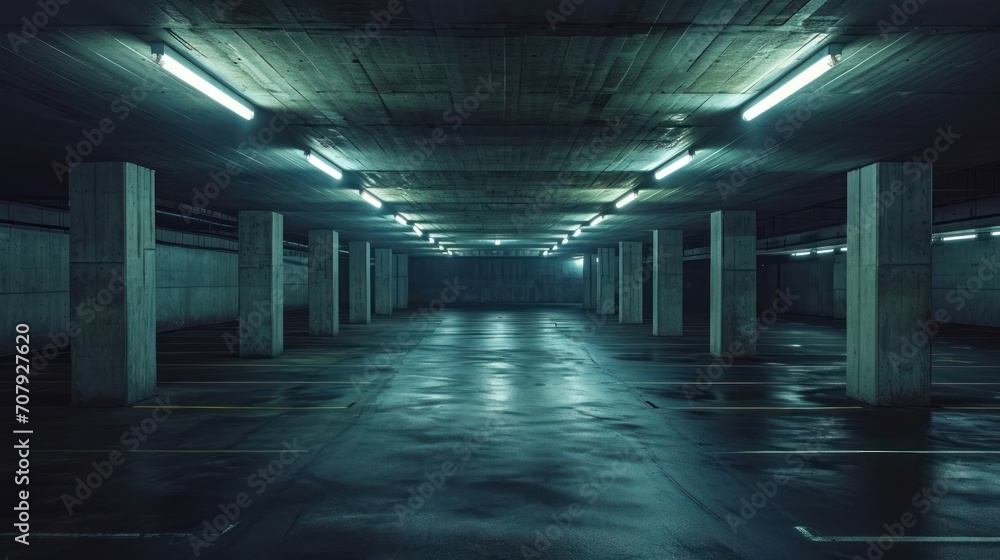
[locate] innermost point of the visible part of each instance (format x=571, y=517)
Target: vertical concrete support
x=630, y=290
x=402, y=281
x=359, y=282
x=839, y=285
x=261, y=284
x=324, y=283
x=889, y=323
x=733, y=285
x=112, y=284
x=668, y=283
x=607, y=265
x=588, y=278
x=385, y=288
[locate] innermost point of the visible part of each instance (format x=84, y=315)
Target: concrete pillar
x=112, y=275
x=324, y=283
x=359, y=282
x=402, y=281
x=588, y=279
x=733, y=285
x=630, y=289
x=607, y=265
x=839, y=285
x=668, y=282
x=261, y=284
x=385, y=288
x=889, y=226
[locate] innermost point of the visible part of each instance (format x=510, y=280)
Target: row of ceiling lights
x=942, y=237
x=806, y=73
x=180, y=67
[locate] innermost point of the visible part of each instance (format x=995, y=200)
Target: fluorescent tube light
x=596, y=221
x=628, y=198
x=824, y=251
x=417, y=230
x=578, y=231
x=430, y=238
x=565, y=240
x=401, y=220
x=674, y=165
x=843, y=249
x=996, y=233
x=496, y=242
x=802, y=254
x=554, y=248
x=801, y=77
x=324, y=166
x=959, y=237
x=371, y=199
x=200, y=80
x=545, y=253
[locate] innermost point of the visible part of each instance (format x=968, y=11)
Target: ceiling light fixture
x=597, y=220
x=674, y=165
x=545, y=253
x=496, y=242
x=798, y=79
x=554, y=248
x=578, y=231
x=430, y=238
x=370, y=199
x=802, y=254
x=200, y=80
x=565, y=240
x=959, y=237
x=417, y=230
x=626, y=199
x=401, y=220
x=824, y=251
x=996, y=233
x=323, y=165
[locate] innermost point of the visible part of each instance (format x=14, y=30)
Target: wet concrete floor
x=519, y=432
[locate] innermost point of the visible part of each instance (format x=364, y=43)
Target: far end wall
x=496, y=280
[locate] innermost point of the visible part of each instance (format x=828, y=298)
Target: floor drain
x=651, y=404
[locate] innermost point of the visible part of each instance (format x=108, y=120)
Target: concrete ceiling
x=534, y=155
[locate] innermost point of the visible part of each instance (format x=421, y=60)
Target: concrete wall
x=195, y=275
x=498, y=280
x=956, y=284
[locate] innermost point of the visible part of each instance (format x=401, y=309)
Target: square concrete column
x=607, y=272
x=889, y=226
x=588, y=279
x=385, y=287
x=402, y=281
x=630, y=290
x=324, y=283
x=112, y=284
x=839, y=285
x=668, y=283
x=733, y=285
x=261, y=284
x=359, y=282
